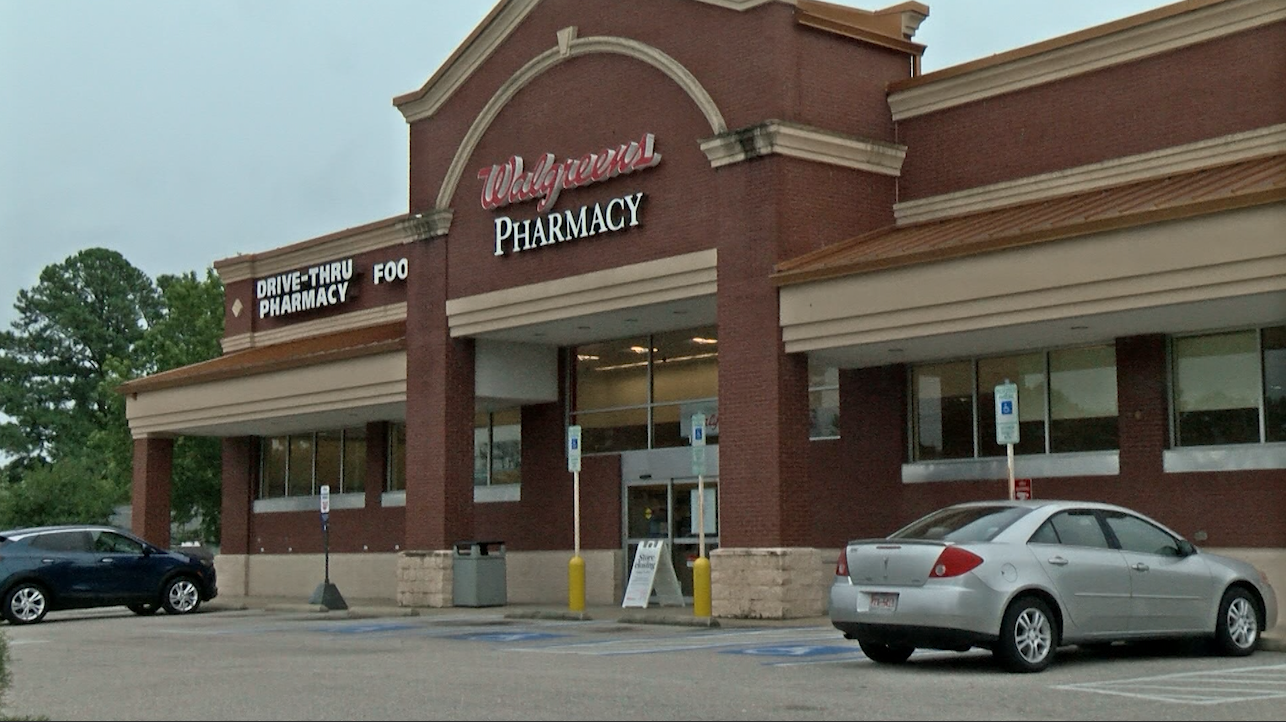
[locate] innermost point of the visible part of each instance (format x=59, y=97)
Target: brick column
x=763, y=391
x=1141, y=406
x=873, y=436
x=439, y=409
x=150, y=495
x=240, y=478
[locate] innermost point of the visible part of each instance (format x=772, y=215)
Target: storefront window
x=823, y=401
x=396, y=458
x=354, y=479
x=1219, y=383
x=1082, y=399
x=943, y=415
x=299, y=464
x=1066, y=403
x=1275, y=383
x=330, y=453
x=299, y=470
x=497, y=447
x=639, y=393
x=1028, y=372
x=273, y=474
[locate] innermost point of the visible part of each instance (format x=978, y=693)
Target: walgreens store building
x=625, y=214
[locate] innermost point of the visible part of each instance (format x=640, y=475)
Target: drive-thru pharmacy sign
x=509, y=182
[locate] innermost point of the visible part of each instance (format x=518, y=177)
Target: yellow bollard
x=576, y=584
x=701, y=587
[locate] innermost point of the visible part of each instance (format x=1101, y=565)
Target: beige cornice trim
x=1258, y=143
x=479, y=46
x=307, y=253
x=566, y=47
x=433, y=224
x=801, y=141
x=926, y=95
x=467, y=58
x=685, y=276
x=331, y=324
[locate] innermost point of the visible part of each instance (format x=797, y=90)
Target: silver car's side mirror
x=1186, y=549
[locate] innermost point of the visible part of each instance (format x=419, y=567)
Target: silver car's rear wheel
x=25, y=604
x=181, y=596
x=1237, y=629
x=1027, y=636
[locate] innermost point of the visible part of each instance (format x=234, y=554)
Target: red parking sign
x=1022, y=489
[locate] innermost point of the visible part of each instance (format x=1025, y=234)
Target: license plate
x=884, y=601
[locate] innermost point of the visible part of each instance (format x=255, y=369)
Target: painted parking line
x=689, y=642
x=1242, y=684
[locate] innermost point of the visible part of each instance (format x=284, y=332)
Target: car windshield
x=962, y=524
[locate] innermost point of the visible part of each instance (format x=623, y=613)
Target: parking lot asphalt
x=1272, y=640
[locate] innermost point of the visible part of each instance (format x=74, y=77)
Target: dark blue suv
x=45, y=569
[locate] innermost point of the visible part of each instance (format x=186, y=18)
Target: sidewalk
x=1274, y=640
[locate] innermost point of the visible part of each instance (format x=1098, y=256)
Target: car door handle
x=1058, y=561
x=1140, y=567
x=106, y=560
x=48, y=561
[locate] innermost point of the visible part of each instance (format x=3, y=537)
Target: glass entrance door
x=667, y=509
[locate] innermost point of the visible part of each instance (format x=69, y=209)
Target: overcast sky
x=180, y=132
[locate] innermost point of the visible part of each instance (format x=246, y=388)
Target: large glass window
x=638, y=393
x=1082, y=399
x=299, y=464
x=396, y=478
x=1066, y=403
x=497, y=447
x=943, y=415
x=823, y=401
x=1028, y=373
x=1228, y=387
x=1275, y=383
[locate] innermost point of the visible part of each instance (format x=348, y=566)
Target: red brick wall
x=1222, y=86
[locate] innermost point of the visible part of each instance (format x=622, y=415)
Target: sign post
x=576, y=568
x=700, y=567
x=1007, y=423
x=327, y=594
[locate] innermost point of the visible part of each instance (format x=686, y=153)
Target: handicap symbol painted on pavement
x=794, y=650
x=505, y=636
x=369, y=628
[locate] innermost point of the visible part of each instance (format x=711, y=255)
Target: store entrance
x=665, y=507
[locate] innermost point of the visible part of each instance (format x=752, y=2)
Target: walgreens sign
x=510, y=182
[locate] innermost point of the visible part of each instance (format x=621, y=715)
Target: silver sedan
x=1022, y=578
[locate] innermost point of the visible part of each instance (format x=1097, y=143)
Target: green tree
x=83, y=312
x=72, y=489
x=91, y=323
x=187, y=331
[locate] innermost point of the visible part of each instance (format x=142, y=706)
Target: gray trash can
x=479, y=571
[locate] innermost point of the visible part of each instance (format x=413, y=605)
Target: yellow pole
x=701, y=587
x=576, y=584
x=701, y=567
x=576, y=568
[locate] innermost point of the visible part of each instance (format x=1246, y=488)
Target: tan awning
x=277, y=357
x=1238, y=185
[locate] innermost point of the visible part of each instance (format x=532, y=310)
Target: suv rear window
x=966, y=524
